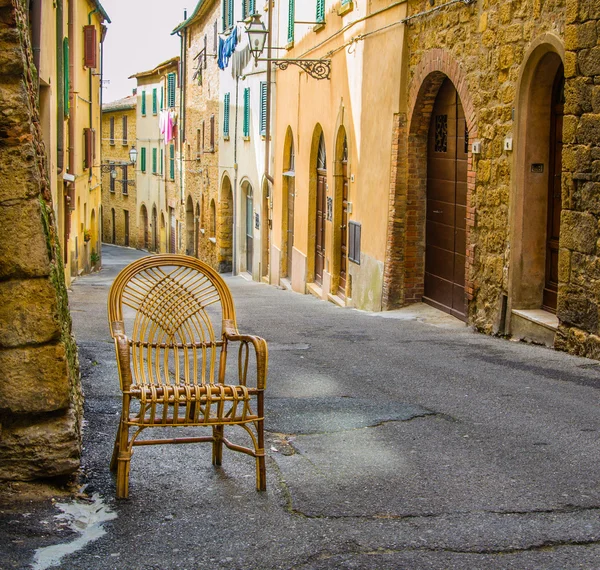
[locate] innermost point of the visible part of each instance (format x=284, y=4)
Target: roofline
x=201, y=4
x=112, y=109
x=102, y=10
x=157, y=69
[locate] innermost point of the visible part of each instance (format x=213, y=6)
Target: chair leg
x=217, y=445
x=261, y=469
x=115, y=453
x=122, y=457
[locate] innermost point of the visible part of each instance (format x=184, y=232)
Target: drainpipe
x=182, y=96
x=268, y=109
x=60, y=78
x=72, y=121
x=234, y=269
x=90, y=88
x=36, y=34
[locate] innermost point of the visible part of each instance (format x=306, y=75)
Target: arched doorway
x=289, y=194
x=537, y=190
x=445, y=219
x=265, y=230
x=341, y=216
x=248, y=227
x=189, y=226
x=321, y=211
x=226, y=227
x=154, y=229
x=145, y=235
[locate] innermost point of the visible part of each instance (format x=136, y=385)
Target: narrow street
x=395, y=440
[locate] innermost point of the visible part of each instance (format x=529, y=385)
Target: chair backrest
x=172, y=309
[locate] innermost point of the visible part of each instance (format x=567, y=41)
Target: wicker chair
x=163, y=311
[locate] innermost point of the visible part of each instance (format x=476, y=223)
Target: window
x=291, y=17
x=263, y=108
x=215, y=37
x=143, y=103
x=162, y=98
x=246, y=112
x=203, y=136
x=172, y=162
x=89, y=140
x=154, y=101
x=112, y=177
x=171, y=84
x=320, y=10
x=227, y=14
x=124, y=129
x=212, y=133
x=154, y=160
x=198, y=143
x=226, y=105
x=162, y=159
x=90, y=46
x=143, y=159
x=248, y=8
x=124, y=181
x=354, y=242
x=111, y=135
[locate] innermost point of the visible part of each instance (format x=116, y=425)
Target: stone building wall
x=579, y=292
x=201, y=160
x=40, y=395
x=481, y=47
x=118, y=153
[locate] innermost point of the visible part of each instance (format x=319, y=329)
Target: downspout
x=60, y=78
x=183, y=83
x=235, y=178
x=70, y=205
x=268, y=109
x=90, y=98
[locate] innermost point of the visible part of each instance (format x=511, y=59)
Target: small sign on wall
x=354, y=229
x=257, y=220
x=329, y=208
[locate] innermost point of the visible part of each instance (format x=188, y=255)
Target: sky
x=138, y=39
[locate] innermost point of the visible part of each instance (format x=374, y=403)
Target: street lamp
x=133, y=155
x=257, y=36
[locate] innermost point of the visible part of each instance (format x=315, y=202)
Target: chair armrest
x=231, y=333
x=123, y=361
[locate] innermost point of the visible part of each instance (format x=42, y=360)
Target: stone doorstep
x=247, y=276
x=336, y=300
x=285, y=283
x=534, y=325
x=314, y=290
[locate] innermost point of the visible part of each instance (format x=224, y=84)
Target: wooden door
x=344, y=230
x=249, y=232
x=554, y=194
x=290, y=223
x=445, y=252
x=320, y=225
x=126, y=228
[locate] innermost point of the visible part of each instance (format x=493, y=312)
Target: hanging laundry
x=226, y=49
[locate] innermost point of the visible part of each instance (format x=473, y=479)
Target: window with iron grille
x=354, y=230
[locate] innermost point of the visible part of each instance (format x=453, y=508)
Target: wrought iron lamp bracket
x=316, y=68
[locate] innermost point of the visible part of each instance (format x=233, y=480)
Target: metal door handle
x=438, y=211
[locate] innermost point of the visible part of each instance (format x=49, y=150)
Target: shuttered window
x=171, y=79
x=226, y=104
x=124, y=181
x=248, y=8
x=154, y=160
x=263, y=108
x=66, y=75
x=172, y=162
x=89, y=153
x=320, y=10
x=162, y=98
x=112, y=178
x=246, y=128
x=143, y=159
x=111, y=132
x=227, y=14
x=154, y=101
x=90, y=46
x=143, y=103
x=291, y=17
x=212, y=133
x=162, y=160
x=124, y=129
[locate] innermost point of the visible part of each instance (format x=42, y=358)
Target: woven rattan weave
x=173, y=322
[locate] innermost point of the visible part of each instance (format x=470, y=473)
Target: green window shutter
x=162, y=159
x=247, y=112
x=66, y=76
x=320, y=10
x=143, y=159
x=224, y=14
x=263, y=108
x=162, y=98
x=172, y=162
x=143, y=103
x=291, y=17
x=171, y=90
x=226, y=104
x=252, y=7
x=154, y=101
x=154, y=160
x=244, y=9
x=230, y=13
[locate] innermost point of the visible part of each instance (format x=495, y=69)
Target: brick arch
x=404, y=272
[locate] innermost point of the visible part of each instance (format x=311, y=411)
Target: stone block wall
x=579, y=288
x=40, y=395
